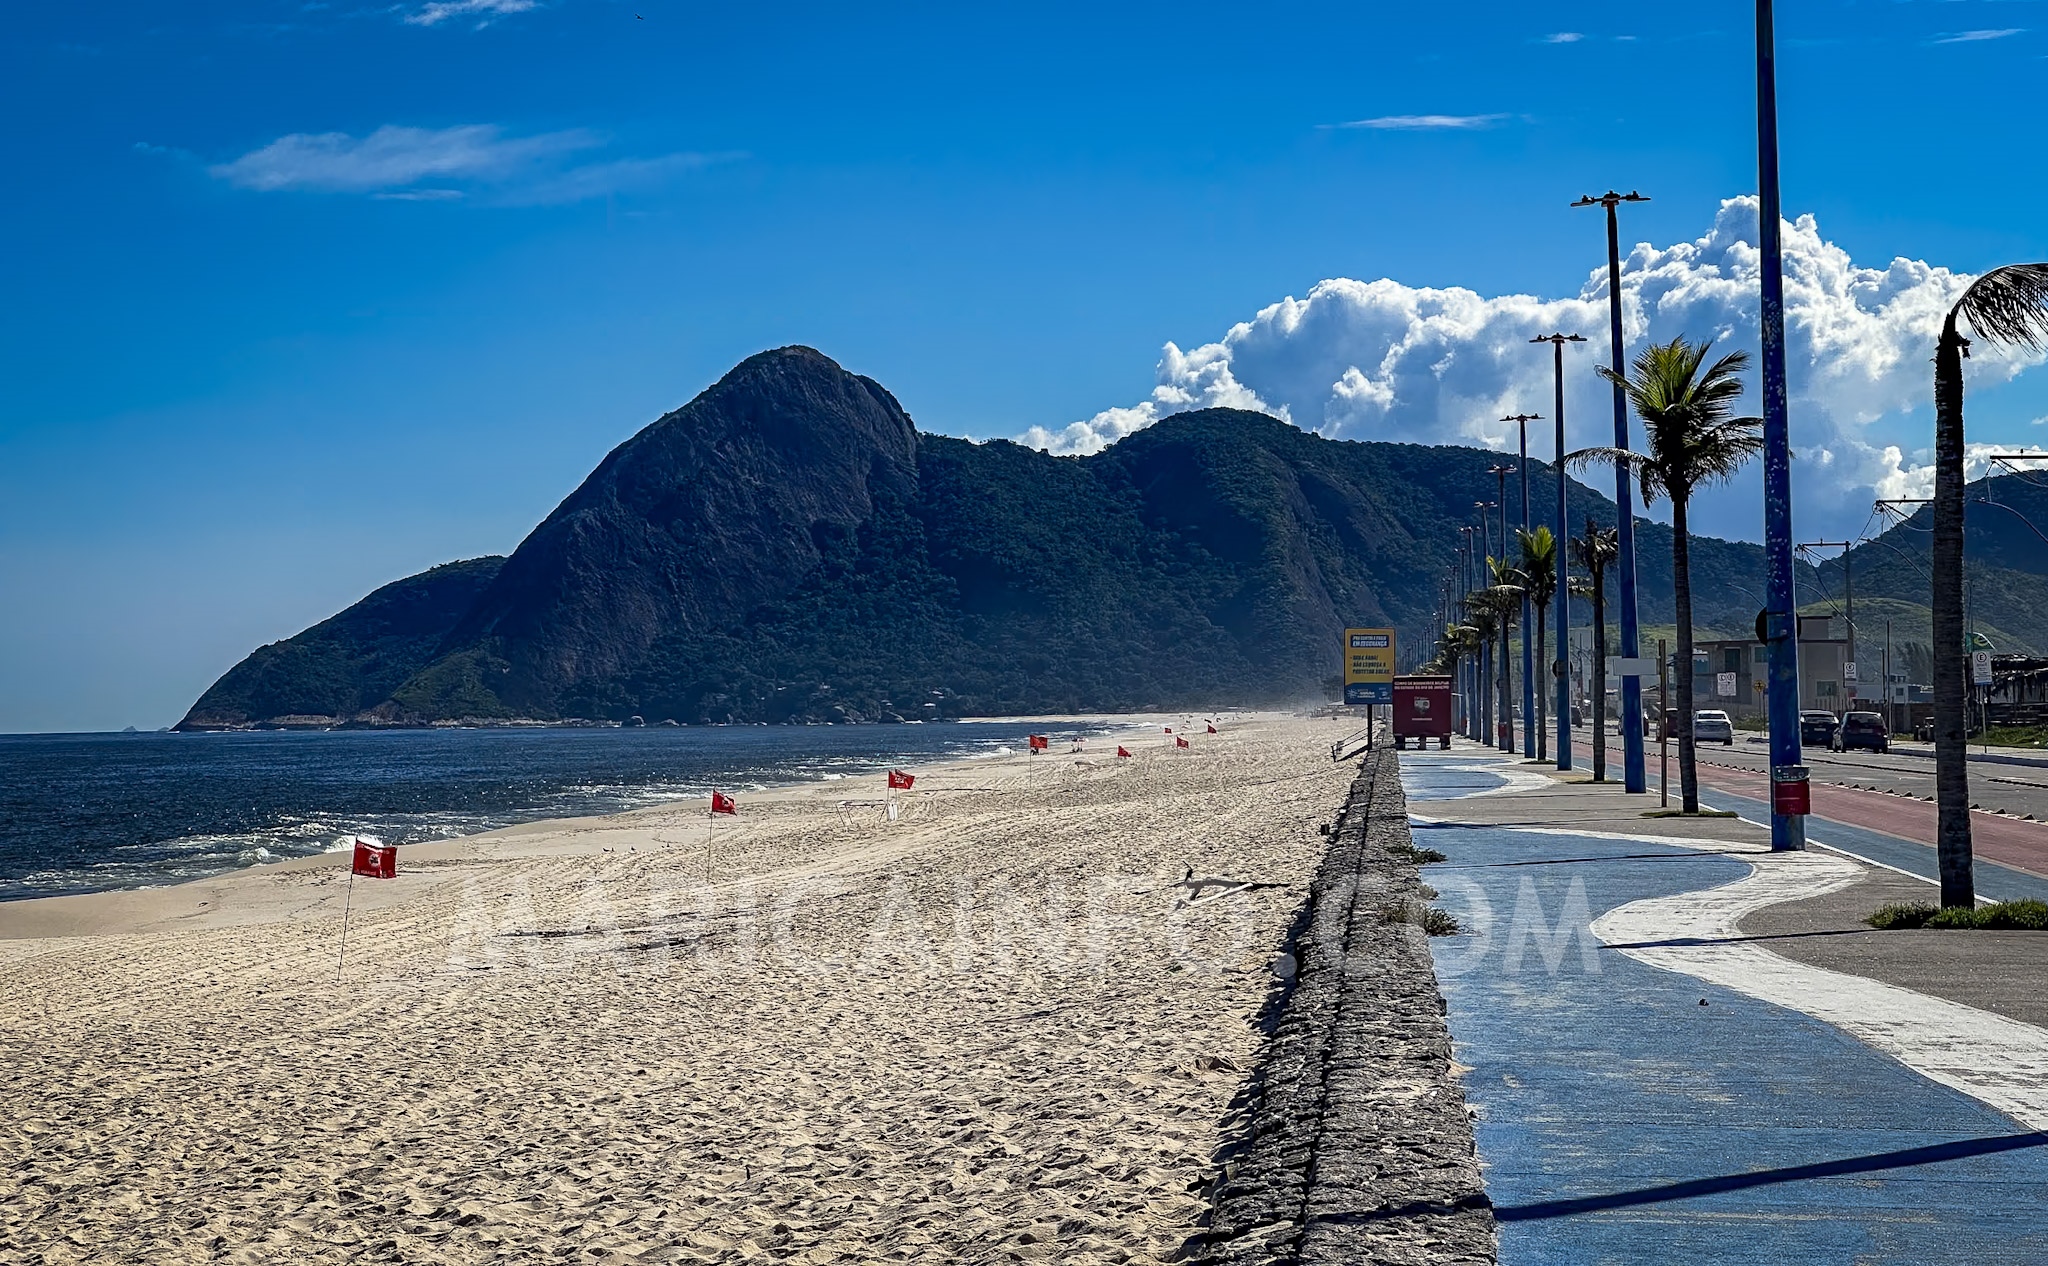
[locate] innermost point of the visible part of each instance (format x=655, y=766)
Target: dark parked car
x=1817, y=729
x=1863, y=729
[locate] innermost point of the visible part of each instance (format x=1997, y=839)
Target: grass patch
x=1433, y=920
x=1680, y=813
x=2027, y=915
x=2016, y=736
x=1410, y=853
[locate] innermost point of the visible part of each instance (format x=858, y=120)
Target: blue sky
x=306, y=297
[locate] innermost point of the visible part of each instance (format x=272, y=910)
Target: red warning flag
x=1167, y=728
x=1180, y=742
x=1121, y=750
x=900, y=781
x=1212, y=729
x=374, y=860
x=1038, y=742
x=722, y=803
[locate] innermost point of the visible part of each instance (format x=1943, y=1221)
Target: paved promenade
x=1682, y=1048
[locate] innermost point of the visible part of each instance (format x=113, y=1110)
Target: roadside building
x=1734, y=674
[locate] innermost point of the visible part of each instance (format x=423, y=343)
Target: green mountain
x=787, y=546
x=350, y=662
x=2005, y=567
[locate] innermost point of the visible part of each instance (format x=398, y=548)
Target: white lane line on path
x=2001, y=1062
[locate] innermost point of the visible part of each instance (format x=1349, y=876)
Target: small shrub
x=1433, y=920
x=1908, y=915
x=2026, y=915
x=1420, y=856
x=1438, y=922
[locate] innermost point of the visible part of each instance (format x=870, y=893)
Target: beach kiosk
x=1422, y=711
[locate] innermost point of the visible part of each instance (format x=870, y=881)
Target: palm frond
x=1584, y=459
x=2009, y=305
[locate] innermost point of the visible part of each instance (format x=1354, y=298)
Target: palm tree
x=2005, y=305
x=1485, y=624
x=1593, y=551
x=1539, y=574
x=1693, y=442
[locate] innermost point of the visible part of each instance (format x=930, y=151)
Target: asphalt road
x=2020, y=790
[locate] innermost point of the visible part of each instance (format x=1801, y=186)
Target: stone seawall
x=1357, y=1146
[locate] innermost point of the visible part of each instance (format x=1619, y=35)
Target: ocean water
x=85, y=812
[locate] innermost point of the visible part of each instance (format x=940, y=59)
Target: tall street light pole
x=1483, y=579
x=1507, y=669
x=1788, y=830
x=1634, y=778
x=1562, y=621
x=1523, y=420
x=1468, y=661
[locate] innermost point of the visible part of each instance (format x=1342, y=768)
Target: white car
x=1711, y=725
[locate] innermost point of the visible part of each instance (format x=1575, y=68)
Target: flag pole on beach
x=897, y=780
x=720, y=803
x=373, y=859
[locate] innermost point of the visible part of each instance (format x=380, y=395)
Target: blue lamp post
x=1788, y=830
x=1633, y=773
x=1562, y=621
x=1523, y=420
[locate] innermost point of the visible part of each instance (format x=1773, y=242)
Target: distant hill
x=2005, y=566
x=787, y=546
x=350, y=662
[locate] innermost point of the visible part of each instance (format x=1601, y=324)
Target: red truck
x=1422, y=711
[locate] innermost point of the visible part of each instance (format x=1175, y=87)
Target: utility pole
x=1891, y=714
x=1563, y=619
x=1781, y=621
x=1634, y=778
x=1529, y=735
x=1848, y=612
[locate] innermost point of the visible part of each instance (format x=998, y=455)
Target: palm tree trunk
x=1507, y=683
x=1681, y=600
x=1951, y=760
x=1597, y=688
x=1542, y=730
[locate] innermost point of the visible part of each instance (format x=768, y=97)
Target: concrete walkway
x=1653, y=1084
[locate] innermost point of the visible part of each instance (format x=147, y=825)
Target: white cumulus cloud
x=1383, y=360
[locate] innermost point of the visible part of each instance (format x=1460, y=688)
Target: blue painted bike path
x=1620, y=1121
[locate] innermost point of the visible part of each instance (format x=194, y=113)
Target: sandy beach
x=996, y=1028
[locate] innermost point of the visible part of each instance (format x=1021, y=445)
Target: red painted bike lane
x=2013, y=842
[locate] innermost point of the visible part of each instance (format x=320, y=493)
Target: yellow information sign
x=1368, y=666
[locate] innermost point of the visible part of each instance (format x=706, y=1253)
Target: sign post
x=1368, y=667
x=1663, y=727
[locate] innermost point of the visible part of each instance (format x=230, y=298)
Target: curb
x=1357, y=1146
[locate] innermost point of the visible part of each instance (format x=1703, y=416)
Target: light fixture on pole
x=1563, y=618
x=1634, y=776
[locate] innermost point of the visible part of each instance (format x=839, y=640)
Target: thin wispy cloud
x=1563, y=37
x=484, y=10
x=1425, y=122
x=478, y=160
x=391, y=157
x=1974, y=37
